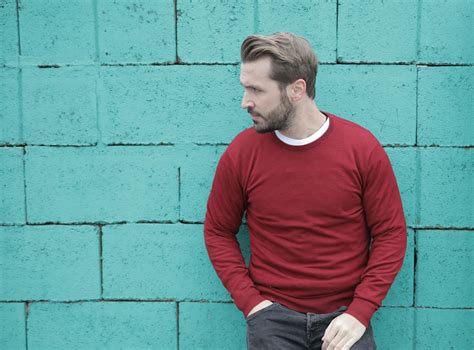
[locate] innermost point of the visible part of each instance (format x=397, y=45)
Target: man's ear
x=297, y=90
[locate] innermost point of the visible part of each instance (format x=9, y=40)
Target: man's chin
x=260, y=129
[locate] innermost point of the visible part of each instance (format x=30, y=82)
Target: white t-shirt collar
x=306, y=140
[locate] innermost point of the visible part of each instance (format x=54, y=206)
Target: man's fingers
x=344, y=343
x=328, y=332
x=349, y=342
x=340, y=336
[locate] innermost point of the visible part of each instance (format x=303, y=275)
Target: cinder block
x=12, y=326
x=213, y=31
x=59, y=106
x=49, y=262
x=394, y=328
x=444, y=329
x=158, y=262
x=102, y=325
x=57, y=32
x=445, y=106
x=387, y=33
x=211, y=326
x=12, y=193
x=446, y=194
x=314, y=20
x=101, y=184
x=136, y=31
x=380, y=98
x=145, y=105
x=8, y=33
x=401, y=292
x=10, y=125
x=197, y=170
x=444, y=269
x=403, y=160
x=446, y=31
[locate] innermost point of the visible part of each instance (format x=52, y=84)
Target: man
x=326, y=223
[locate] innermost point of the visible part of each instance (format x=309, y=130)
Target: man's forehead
x=255, y=71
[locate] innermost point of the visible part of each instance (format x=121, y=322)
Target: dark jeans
x=277, y=327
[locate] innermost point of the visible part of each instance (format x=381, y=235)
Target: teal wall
x=113, y=115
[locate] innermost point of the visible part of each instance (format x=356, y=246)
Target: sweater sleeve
x=386, y=223
x=225, y=207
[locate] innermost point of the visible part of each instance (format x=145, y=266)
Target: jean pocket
x=261, y=311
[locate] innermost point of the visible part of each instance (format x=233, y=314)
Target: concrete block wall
x=114, y=113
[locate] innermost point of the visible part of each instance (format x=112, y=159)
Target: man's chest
x=316, y=187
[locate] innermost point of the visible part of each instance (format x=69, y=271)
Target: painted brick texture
x=102, y=325
x=54, y=262
x=114, y=114
x=12, y=326
x=10, y=123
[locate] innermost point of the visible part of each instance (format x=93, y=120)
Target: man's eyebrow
x=250, y=86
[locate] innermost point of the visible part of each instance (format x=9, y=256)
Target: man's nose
x=246, y=103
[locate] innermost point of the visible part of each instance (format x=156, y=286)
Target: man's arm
x=387, y=226
x=386, y=222
x=225, y=207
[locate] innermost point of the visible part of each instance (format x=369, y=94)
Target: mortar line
x=416, y=105
x=161, y=145
x=97, y=75
x=177, y=325
x=387, y=145
x=24, y=185
x=26, y=324
x=186, y=222
x=417, y=187
x=18, y=29
x=337, y=30
x=235, y=64
x=179, y=193
x=22, y=137
x=99, y=141
x=101, y=267
x=175, y=4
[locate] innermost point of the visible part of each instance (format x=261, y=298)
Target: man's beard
x=280, y=118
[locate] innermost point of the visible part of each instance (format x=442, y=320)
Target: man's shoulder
x=245, y=135
x=353, y=132
x=346, y=125
x=246, y=139
x=245, y=144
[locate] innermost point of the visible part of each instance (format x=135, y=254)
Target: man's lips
x=255, y=116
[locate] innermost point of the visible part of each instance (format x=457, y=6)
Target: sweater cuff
x=362, y=310
x=249, y=303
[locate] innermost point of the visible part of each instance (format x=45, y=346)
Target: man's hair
x=292, y=58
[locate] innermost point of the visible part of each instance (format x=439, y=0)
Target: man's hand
x=260, y=306
x=342, y=333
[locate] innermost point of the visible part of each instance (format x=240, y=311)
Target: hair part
x=291, y=56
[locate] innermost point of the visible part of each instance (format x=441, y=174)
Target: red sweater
x=311, y=212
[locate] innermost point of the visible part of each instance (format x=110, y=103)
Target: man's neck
x=308, y=119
